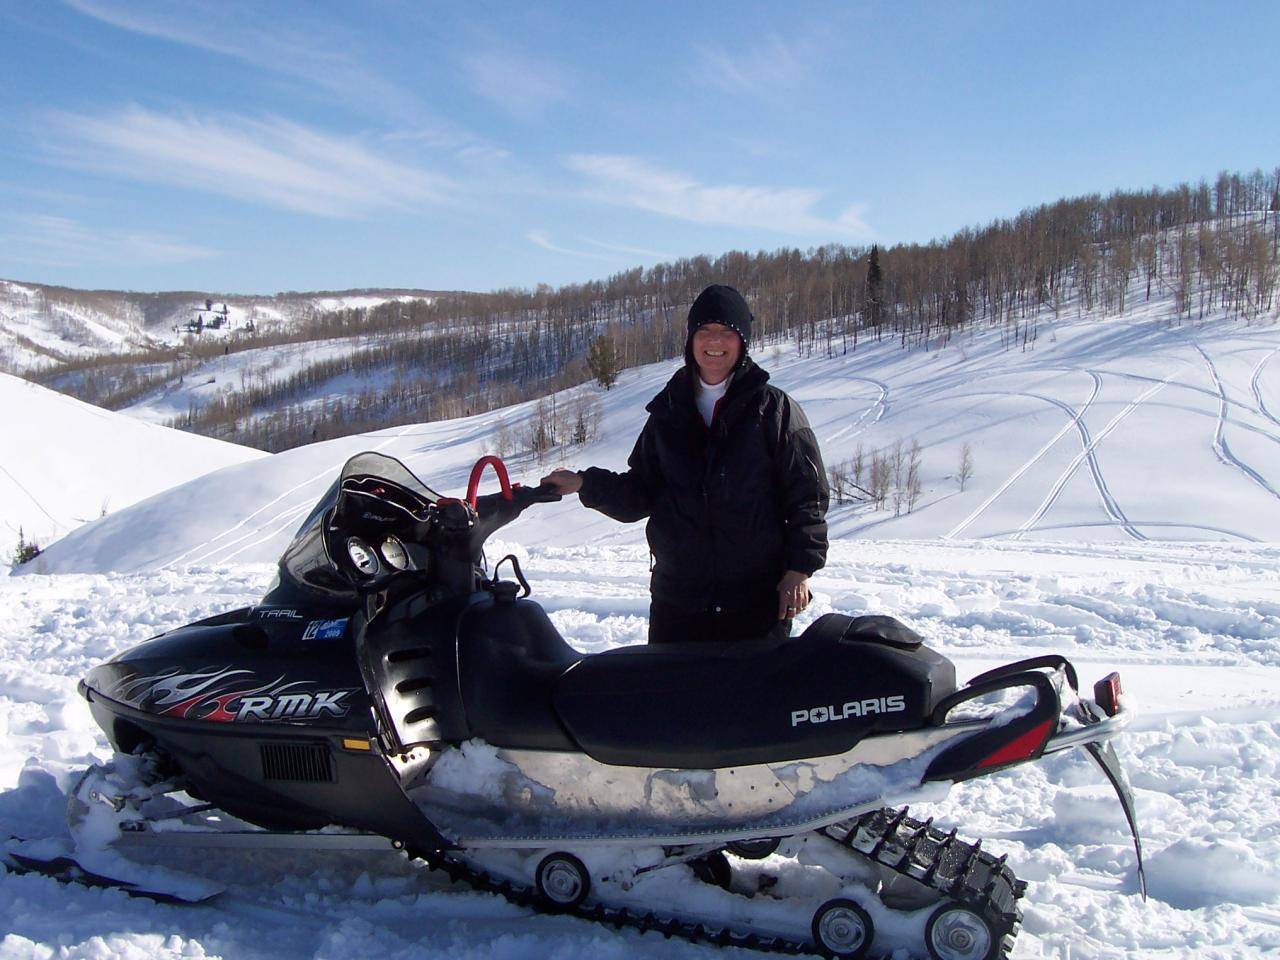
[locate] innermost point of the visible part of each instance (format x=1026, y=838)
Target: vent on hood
x=308, y=762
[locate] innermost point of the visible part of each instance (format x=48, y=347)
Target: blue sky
x=258, y=146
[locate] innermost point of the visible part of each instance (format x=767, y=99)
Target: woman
x=728, y=472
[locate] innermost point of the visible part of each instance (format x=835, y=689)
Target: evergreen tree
x=603, y=361
x=874, y=308
x=24, y=551
x=1275, y=219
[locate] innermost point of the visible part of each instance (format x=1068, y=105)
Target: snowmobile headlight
x=362, y=556
x=395, y=554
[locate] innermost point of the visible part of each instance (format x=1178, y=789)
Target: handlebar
x=372, y=508
x=473, y=482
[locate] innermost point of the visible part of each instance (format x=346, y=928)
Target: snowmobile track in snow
x=1257, y=390
x=880, y=406
x=1220, y=447
x=1089, y=444
x=281, y=520
x=1087, y=454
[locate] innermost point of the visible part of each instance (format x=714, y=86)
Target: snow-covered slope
x=64, y=463
x=1122, y=471
x=1193, y=629
x=39, y=324
x=1127, y=429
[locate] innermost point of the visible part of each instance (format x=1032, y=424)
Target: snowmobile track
x=879, y=407
x=961, y=873
x=285, y=517
x=1074, y=420
x=1220, y=446
x=1088, y=453
x=1254, y=384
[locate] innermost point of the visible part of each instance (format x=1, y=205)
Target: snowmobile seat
x=710, y=705
x=509, y=657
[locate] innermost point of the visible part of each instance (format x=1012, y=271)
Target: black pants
x=670, y=625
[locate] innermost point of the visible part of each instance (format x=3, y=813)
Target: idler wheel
x=957, y=933
x=753, y=849
x=562, y=881
x=714, y=869
x=842, y=929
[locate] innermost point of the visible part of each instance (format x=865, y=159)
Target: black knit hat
x=719, y=304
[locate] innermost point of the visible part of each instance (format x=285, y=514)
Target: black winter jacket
x=730, y=508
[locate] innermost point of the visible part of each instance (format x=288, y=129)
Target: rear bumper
x=1098, y=728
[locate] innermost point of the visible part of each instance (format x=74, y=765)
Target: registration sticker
x=325, y=629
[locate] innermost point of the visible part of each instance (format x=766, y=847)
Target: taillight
x=1106, y=692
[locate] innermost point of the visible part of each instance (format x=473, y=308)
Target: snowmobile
x=389, y=688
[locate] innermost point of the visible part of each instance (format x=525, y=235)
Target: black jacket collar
x=677, y=399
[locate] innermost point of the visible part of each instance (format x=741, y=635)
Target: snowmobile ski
x=67, y=869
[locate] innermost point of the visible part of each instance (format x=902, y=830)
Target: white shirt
x=709, y=395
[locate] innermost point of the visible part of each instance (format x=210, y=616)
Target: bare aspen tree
x=500, y=441
x=881, y=477
x=915, y=486
x=857, y=466
x=898, y=473
x=540, y=433
x=838, y=477
x=965, y=473
x=854, y=490
x=585, y=419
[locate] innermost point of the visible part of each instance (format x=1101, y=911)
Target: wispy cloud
x=463, y=146
x=540, y=239
x=633, y=251
x=629, y=181
x=59, y=241
x=766, y=64
x=281, y=42
x=523, y=86
x=269, y=161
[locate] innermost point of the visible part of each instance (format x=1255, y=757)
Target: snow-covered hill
x=64, y=463
x=1128, y=429
x=40, y=324
x=1123, y=510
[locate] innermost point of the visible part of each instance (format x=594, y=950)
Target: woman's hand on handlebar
x=564, y=481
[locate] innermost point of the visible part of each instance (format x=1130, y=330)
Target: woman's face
x=716, y=349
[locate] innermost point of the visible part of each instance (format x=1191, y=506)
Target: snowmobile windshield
x=307, y=571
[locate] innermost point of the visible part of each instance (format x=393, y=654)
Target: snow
x=231, y=372
x=1122, y=512
x=1123, y=430
x=359, y=302
x=35, y=325
x=1204, y=755
x=63, y=462
x=38, y=323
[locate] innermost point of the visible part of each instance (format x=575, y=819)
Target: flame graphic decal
x=209, y=694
